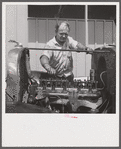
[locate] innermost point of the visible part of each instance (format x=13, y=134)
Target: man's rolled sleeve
x=47, y=53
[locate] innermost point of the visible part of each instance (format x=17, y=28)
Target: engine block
x=92, y=95
x=62, y=92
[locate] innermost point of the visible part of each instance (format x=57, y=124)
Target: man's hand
x=89, y=50
x=52, y=71
x=49, y=69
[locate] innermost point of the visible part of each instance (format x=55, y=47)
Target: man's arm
x=45, y=63
x=77, y=45
x=82, y=47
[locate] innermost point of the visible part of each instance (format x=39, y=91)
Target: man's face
x=62, y=33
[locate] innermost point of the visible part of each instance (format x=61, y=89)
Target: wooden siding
x=16, y=26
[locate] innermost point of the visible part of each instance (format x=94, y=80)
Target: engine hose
x=9, y=96
x=104, y=111
x=99, y=89
x=106, y=100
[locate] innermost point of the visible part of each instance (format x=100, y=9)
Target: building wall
x=16, y=25
x=36, y=32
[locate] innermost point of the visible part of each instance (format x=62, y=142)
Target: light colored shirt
x=61, y=61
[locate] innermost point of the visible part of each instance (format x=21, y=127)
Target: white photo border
x=50, y=130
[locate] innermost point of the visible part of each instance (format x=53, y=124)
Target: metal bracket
x=17, y=43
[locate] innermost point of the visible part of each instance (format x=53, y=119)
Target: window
x=102, y=12
x=53, y=11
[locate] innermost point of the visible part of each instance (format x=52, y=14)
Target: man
x=60, y=63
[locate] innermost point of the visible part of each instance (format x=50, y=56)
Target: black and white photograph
x=61, y=60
